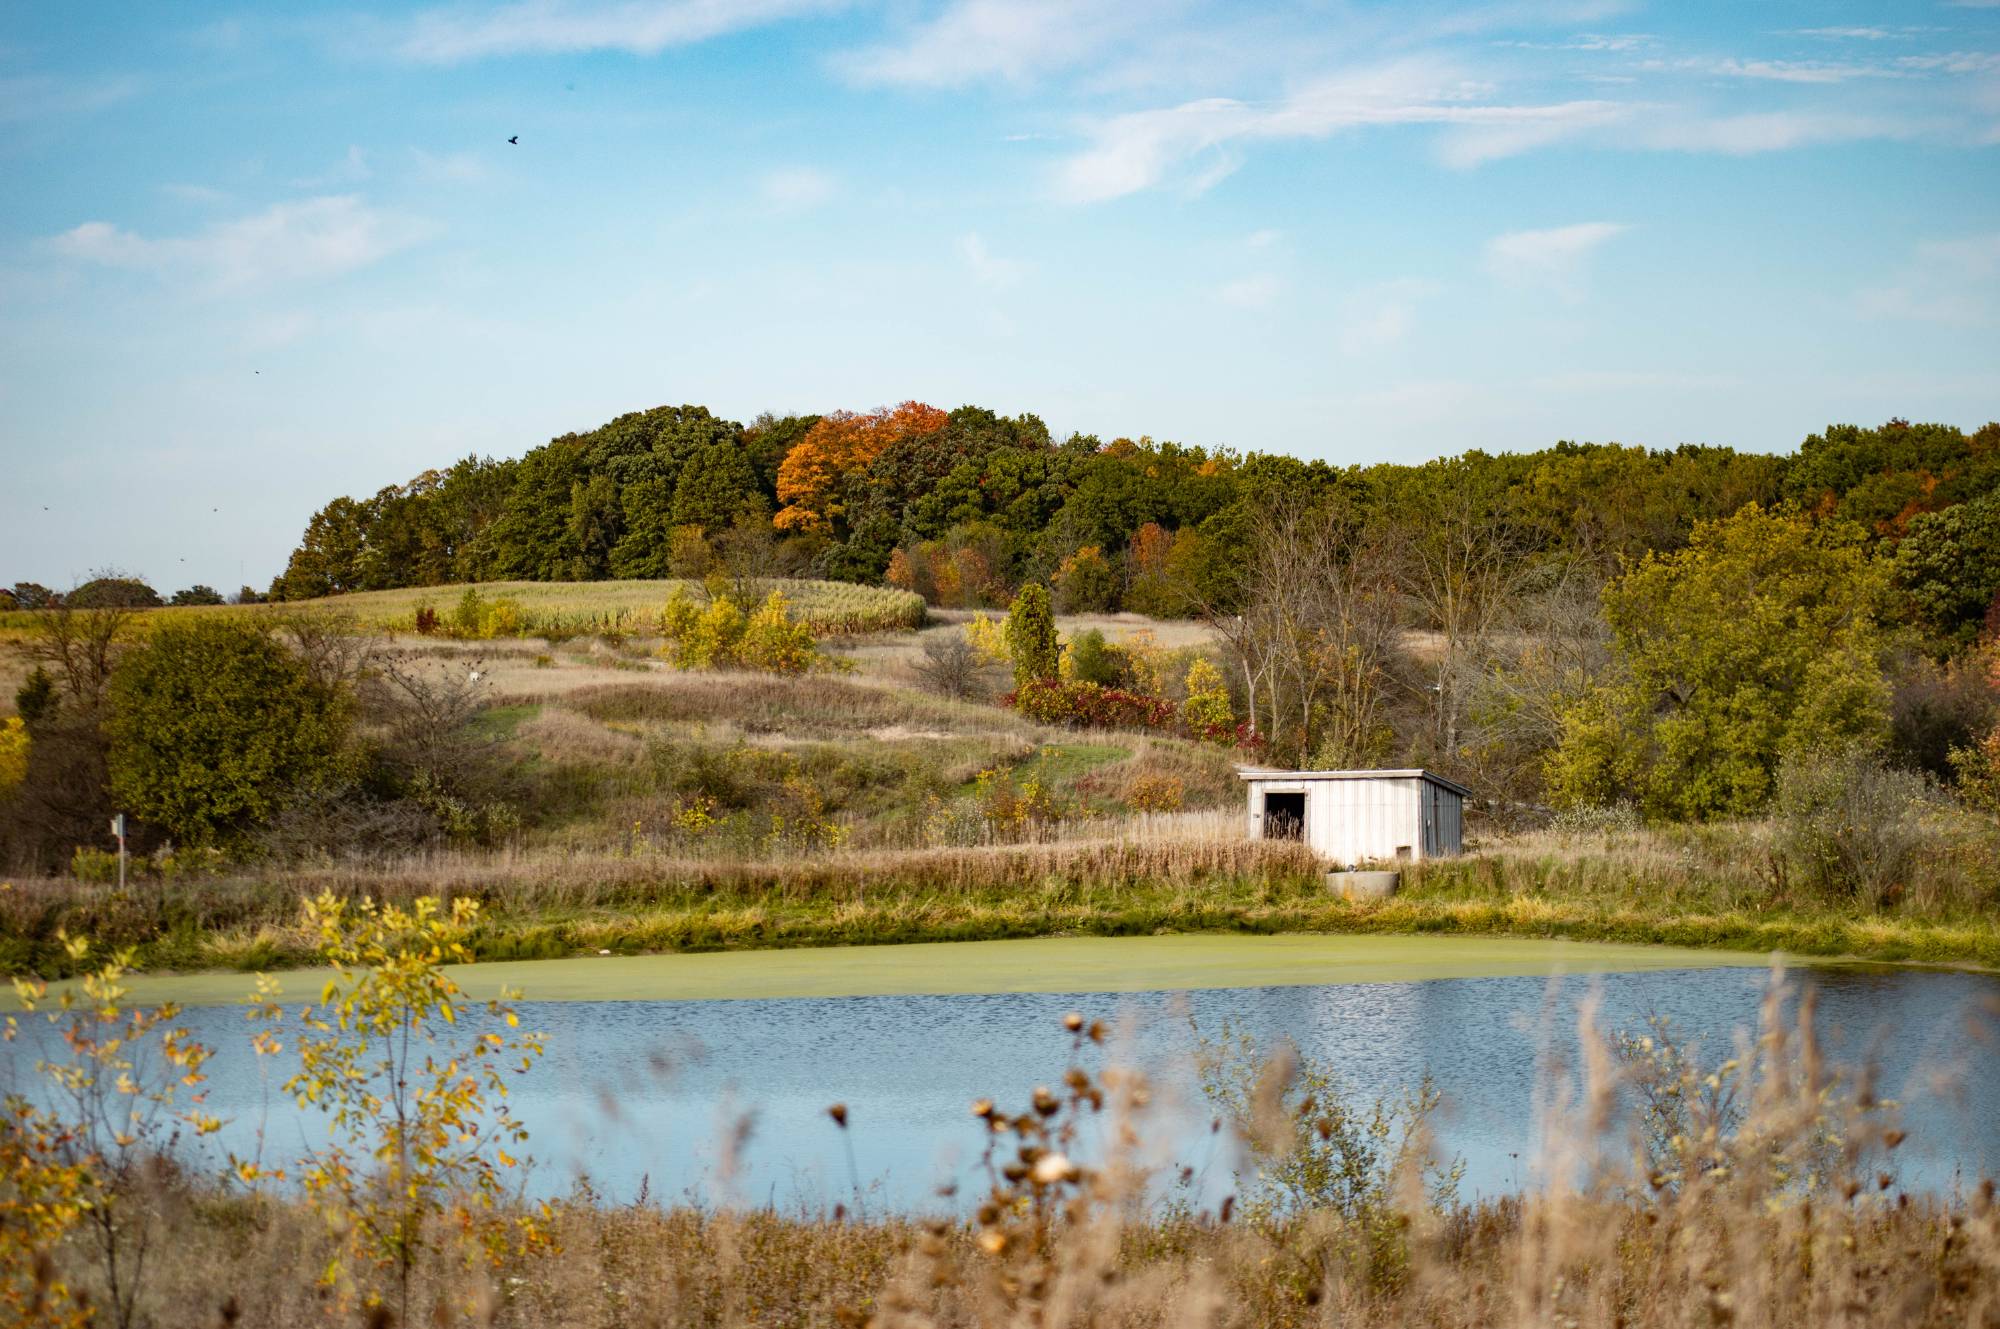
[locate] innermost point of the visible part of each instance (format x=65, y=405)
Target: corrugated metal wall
x=1362, y=821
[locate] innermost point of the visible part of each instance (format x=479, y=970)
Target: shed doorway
x=1284, y=816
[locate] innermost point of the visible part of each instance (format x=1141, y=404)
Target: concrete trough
x=1360, y=885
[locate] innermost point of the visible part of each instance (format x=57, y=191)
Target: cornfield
x=567, y=609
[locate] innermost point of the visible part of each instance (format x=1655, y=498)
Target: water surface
x=639, y=1093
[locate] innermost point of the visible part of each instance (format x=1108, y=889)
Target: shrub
x=1206, y=711
x=470, y=613
x=36, y=697
x=1156, y=793
x=950, y=665
x=214, y=725
x=418, y=1123
x=502, y=618
x=1090, y=659
x=13, y=752
x=774, y=642
x=1031, y=635
x=707, y=639
x=1088, y=706
x=988, y=636
x=427, y=621
x=1848, y=825
x=197, y=595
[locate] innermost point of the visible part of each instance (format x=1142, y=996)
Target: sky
x=255, y=257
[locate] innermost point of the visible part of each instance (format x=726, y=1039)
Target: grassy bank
x=1683, y=889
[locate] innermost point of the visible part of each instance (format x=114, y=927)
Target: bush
x=13, y=752
x=1091, y=659
x=197, y=595
x=1088, y=706
x=1849, y=826
x=950, y=666
x=774, y=642
x=1206, y=711
x=214, y=726
x=36, y=697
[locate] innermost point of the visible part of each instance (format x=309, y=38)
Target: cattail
x=839, y=1114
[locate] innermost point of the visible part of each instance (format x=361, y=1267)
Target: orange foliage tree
x=814, y=474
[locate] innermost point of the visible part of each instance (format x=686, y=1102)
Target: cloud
x=988, y=269
x=25, y=97
x=1254, y=292
x=313, y=239
x=1011, y=40
x=558, y=27
x=1263, y=239
x=450, y=168
x=352, y=168
x=1799, y=71
x=1770, y=131
x=1140, y=149
x=1845, y=34
x=1552, y=259
x=1382, y=315
x=1952, y=282
x=797, y=188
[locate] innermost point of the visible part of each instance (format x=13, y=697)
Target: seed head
x=839, y=1114
x=1052, y=1168
x=1073, y=1021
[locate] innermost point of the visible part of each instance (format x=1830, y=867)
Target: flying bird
x=515, y=139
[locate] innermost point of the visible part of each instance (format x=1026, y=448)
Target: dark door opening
x=1284, y=816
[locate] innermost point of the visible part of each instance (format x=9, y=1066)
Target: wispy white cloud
x=797, y=188
x=1253, y=292
x=1551, y=259
x=316, y=238
x=1011, y=40
x=550, y=27
x=1381, y=315
x=1955, y=282
x=1264, y=238
x=1141, y=149
x=450, y=168
x=351, y=169
x=1799, y=71
x=988, y=268
x=1770, y=131
x=26, y=97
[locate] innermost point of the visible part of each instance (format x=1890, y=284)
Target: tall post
x=118, y=829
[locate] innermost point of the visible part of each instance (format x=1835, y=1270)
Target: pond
x=644, y=1093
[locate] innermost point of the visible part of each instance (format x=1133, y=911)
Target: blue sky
x=254, y=257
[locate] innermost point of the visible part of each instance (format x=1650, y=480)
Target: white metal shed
x=1354, y=817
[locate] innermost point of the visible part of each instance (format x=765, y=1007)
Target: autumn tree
x=1757, y=641
x=814, y=477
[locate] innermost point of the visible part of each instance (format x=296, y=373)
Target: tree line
x=968, y=505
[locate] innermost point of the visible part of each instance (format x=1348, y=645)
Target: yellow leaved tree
x=416, y=1105
x=120, y=1087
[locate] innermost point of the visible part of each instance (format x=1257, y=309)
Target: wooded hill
x=965, y=506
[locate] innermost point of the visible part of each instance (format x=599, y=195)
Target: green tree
x=1756, y=641
x=1031, y=636
x=214, y=725
x=197, y=595
x=1949, y=564
x=113, y=590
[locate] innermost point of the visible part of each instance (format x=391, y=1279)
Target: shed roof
x=1258, y=774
